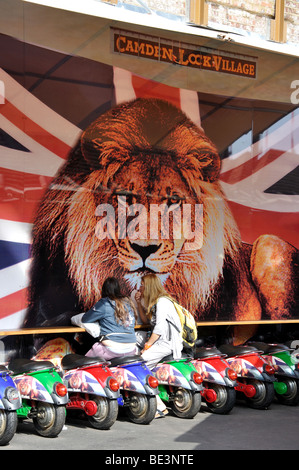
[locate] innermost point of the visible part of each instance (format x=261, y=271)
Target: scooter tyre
x=8, y=426
x=291, y=397
x=51, y=419
x=226, y=399
x=264, y=396
x=106, y=414
x=142, y=408
x=185, y=404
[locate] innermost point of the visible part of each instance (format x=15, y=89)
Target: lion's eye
x=125, y=197
x=174, y=199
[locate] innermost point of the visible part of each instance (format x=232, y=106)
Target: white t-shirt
x=165, y=310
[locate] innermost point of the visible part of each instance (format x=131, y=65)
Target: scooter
x=44, y=395
x=255, y=377
x=138, y=388
x=91, y=388
x=219, y=379
x=10, y=401
x=180, y=385
x=284, y=360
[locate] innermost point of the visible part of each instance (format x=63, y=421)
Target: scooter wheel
x=106, y=415
x=225, y=399
x=291, y=396
x=264, y=395
x=8, y=426
x=49, y=419
x=142, y=408
x=185, y=404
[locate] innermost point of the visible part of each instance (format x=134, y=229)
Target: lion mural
x=93, y=223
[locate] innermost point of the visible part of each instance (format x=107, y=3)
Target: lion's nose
x=145, y=250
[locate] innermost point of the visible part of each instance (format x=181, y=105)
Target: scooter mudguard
x=32, y=389
x=168, y=374
x=280, y=366
x=83, y=382
x=280, y=357
x=37, y=380
x=127, y=379
x=208, y=372
x=248, y=367
x=10, y=398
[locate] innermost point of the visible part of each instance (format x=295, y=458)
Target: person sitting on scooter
x=155, y=307
x=116, y=315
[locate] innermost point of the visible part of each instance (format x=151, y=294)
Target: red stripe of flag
x=254, y=222
x=13, y=303
x=21, y=205
x=33, y=130
x=248, y=168
x=150, y=89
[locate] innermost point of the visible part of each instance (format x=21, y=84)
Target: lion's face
x=152, y=197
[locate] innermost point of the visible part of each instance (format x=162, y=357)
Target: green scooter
x=179, y=385
x=44, y=395
x=285, y=361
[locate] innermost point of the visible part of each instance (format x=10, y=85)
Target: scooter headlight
x=197, y=378
x=152, y=381
x=11, y=394
x=231, y=374
x=269, y=369
x=113, y=384
x=60, y=389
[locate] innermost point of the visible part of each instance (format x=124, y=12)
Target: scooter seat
x=72, y=361
x=167, y=358
x=186, y=357
x=118, y=361
x=269, y=348
x=202, y=353
x=22, y=366
x=231, y=350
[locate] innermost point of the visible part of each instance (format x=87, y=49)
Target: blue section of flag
x=7, y=140
x=13, y=253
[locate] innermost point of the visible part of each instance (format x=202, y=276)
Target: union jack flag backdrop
x=46, y=103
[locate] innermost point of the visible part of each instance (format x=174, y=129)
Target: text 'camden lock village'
x=183, y=56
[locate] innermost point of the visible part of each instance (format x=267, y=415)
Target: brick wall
x=252, y=21
x=248, y=15
x=292, y=20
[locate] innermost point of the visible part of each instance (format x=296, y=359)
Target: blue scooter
x=138, y=388
x=10, y=401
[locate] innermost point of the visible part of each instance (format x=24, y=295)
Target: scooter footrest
x=118, y=361
x=22, y=366
x=231, y=350
x=72, y=361
x=202, y=353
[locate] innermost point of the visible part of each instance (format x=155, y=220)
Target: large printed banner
x=106, y=173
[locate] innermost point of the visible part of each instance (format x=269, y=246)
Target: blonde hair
x=153, y=290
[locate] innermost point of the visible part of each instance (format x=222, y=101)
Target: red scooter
x=91, y=388
x=255, y=377
x=219, y=379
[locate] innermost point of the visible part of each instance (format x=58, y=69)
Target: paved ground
x=243, y=429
